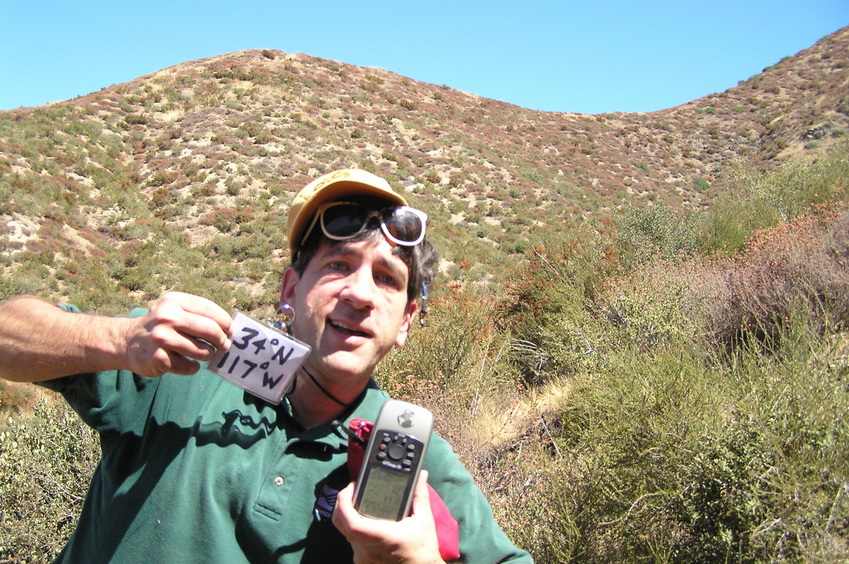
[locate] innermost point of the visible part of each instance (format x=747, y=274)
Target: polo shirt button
x=278, y=481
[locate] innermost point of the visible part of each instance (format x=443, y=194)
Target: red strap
x=447, y=529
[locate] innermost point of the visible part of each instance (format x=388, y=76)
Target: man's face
x=350, y=307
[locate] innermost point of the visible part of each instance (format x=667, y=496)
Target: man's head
x=359, y=261
x=358, y=205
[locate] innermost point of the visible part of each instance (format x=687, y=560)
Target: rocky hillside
x=97, y=192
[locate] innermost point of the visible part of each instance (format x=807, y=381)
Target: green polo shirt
x=194, y=469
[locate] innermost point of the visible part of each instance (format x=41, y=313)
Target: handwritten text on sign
x=262, y=360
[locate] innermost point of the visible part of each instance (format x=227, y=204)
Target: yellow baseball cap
x=345, y=183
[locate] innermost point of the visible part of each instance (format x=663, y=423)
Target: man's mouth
x=350, y=329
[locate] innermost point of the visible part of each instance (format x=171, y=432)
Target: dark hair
x=420, y=259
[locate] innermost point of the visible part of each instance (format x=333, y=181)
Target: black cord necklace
x=328, y=394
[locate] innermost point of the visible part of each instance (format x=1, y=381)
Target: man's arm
x=40, y=341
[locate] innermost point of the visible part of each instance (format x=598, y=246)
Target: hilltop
x=206, y=155
x=613, y=405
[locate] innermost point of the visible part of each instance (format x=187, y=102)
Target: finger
x=194, y=318
x=421, y=496
x=205, y=320
x=174, y=340
x=207, y=308
x=164, y=361
x=181, y=365
x=345, y=497
x=344, y=509
x=196, y=347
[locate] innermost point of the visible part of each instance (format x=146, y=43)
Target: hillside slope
x=206, y=155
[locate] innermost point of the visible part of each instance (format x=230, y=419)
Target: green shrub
x=455, y=365
x=547, y=297
x=656, y=232
x=730, y=223
x=763, y=200
x=673, y=455
x=47, y=459
x=701, y=184
x=136, y=119
x=447, y=352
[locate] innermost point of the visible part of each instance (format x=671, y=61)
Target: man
x=194, y=468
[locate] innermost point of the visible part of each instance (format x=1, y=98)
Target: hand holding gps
x=393, y=460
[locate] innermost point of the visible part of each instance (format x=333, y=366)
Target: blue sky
x=586, y=57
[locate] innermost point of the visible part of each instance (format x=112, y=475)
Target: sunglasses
x=340, y=221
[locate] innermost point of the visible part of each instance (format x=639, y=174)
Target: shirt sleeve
x=109, y=401
x=481, y=539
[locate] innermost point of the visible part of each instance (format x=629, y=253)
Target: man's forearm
x=40, y=341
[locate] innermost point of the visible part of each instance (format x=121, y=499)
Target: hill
x=612, y=406
x=206, y=155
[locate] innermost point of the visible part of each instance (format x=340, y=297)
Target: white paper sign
x=262, y=360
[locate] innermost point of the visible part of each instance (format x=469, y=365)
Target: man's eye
x=388, y=280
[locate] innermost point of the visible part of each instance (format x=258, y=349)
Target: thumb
x=421, y=497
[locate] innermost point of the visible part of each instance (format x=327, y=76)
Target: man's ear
x=404, y=330
x=287, y=286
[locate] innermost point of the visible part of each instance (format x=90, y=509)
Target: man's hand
x=411, y=540
x=178, y=330
x=40, y=341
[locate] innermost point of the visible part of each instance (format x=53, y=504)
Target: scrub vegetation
x=617, y=407
x=637, y=340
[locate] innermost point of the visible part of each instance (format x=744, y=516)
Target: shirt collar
x=329, y=433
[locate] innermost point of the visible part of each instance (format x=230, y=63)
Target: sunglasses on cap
x=340, y=221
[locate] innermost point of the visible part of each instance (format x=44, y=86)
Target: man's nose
x=360, y=288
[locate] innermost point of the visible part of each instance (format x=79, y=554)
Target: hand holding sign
x=178, y=330
x=261, y=360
